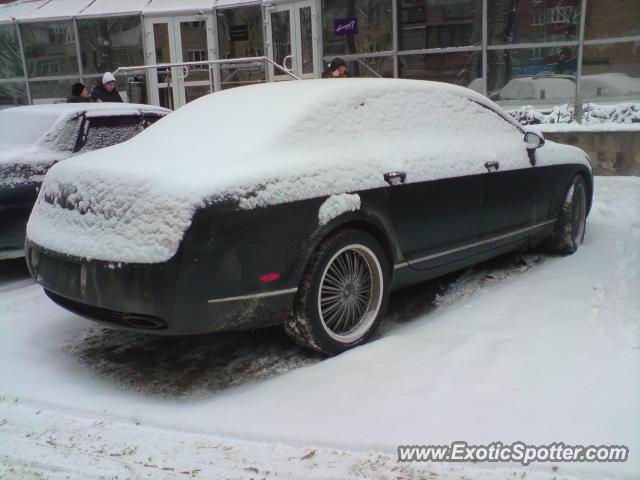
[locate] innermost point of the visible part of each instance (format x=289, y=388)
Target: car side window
x=103, y=132
x=150, y=119
x=67, y=137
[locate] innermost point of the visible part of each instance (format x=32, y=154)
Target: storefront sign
x=346, y=26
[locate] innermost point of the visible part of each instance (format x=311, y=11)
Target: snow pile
x=594, y=117
x=263, y=145
x=336, y=205
x=528, y=115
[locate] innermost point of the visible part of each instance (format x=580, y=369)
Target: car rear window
x=106, y=131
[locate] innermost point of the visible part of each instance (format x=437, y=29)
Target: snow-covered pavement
x=526, y=347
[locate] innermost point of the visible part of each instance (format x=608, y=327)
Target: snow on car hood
x=264, y=145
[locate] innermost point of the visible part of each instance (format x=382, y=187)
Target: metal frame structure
x=210, y=64
x=483, y=48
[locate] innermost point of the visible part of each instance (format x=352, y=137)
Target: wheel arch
x=588, y=180
x=356, y=221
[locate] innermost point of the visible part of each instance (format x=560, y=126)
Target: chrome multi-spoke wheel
x=350, y=292
x=343, y=293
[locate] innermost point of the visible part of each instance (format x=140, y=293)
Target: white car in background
x=34, y=138
x=609, y=85
x=548, y=87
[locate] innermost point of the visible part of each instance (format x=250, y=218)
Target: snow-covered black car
x=299, y=203
x=33, y=138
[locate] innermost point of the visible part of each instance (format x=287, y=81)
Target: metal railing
x=166, y=69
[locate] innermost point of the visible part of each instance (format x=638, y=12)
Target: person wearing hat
x=337, y=69
x=106, y=91
x=79, y=94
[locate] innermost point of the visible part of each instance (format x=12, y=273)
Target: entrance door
x=177, y=40
x=292, y=39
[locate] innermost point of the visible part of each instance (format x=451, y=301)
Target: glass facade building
x=517, y=52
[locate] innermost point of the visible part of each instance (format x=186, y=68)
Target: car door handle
x=395, y=178
x=490, y=165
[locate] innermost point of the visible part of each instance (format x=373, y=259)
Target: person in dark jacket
x=79, y=94
x=337, y=69
x=106, y=91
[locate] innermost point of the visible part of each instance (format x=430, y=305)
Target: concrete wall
x=611, y=153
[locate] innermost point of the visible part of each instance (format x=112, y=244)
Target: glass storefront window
x=242, y=74
x=356, y=26
x=528, y=21
x=612, y=18
x=463, y=68
x=13, y=94
x=240, y=32
x=121, y=83
x=52, y=91
x=49, y=48
x=611, y=72
x=10, y=56
x=439, y=24
x=109, y=43
x=193, y=39
x=532, y=74
x=373, y=67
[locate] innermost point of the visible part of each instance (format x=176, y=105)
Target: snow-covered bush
x=592, y=113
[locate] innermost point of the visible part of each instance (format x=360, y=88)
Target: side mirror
x=533, y=140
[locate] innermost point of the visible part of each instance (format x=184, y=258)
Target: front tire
x=569, y=231
x=343, y=294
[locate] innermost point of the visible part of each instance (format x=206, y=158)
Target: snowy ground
x=525, y=347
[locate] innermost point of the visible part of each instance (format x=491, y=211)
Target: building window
x=463, y=68
x=10, y=56
x=197, y=55
x=371, y=67
x=528, y=21
x=13, y=94
x=109, y=43
x=51, y=91
x=611, y=72
x=371, y=27
x=612, y=18
x=437, y=24
x=49, y=48
x=240, y=34
x=532, y=75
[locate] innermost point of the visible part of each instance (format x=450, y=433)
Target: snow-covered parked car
x=609, y=85
x=544, y=87
x=299, y=203
x=33, y=138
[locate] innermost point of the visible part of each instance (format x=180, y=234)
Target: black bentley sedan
x=33, y=138
x=299, y=203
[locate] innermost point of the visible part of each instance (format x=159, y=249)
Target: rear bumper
x=178, y=297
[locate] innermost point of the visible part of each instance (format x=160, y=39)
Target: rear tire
x=570, y=228
x=343, y=294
